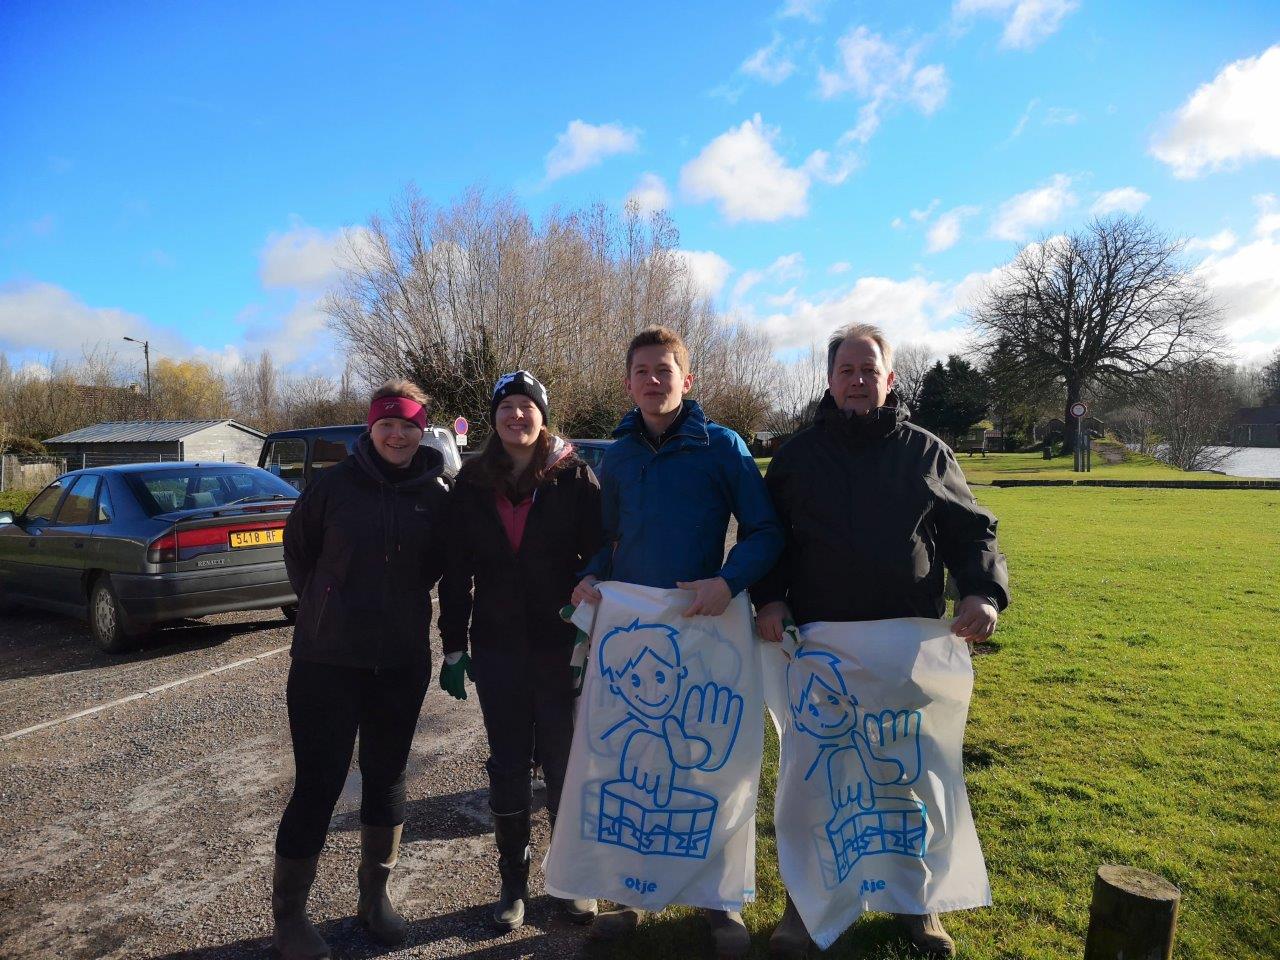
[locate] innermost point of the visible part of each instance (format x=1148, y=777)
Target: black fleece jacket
x=873, y=509
x=515, y=614
x=363, y=547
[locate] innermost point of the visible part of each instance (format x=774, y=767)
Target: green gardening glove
x=454, y=676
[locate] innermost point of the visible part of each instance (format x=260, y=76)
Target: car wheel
x=110, y=624
x=290, y=611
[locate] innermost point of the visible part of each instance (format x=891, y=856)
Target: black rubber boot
x=379, y=851
x=511, y=831
x=293, y=936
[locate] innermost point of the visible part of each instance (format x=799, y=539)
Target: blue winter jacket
x=666, y=511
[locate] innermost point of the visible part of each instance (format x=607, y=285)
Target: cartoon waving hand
x=711, y=714
x=894, y=737
x=647, y=762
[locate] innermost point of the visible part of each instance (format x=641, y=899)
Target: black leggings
x=328, y=705
x=517, y=703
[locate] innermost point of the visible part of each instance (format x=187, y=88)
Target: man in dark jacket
x=875, y=510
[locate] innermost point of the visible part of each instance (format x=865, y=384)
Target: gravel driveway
x=145, y=829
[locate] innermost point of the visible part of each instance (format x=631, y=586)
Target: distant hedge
x=15, y=500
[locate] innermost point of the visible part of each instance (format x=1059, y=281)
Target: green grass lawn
x=1033, y=466
x=1110, y=461
x=1128, y=713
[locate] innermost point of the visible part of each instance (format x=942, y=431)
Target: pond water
x=1252, y=462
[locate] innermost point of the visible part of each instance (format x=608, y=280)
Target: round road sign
x=1078, y=410
x=460, y=426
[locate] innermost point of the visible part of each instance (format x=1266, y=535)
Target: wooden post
x=1133, y=915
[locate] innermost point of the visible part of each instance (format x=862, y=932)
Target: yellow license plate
x=256, y=538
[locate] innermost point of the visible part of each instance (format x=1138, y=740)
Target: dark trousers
x=521, y=702
x=328, y=706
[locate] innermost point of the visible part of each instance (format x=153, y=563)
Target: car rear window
x=167, y=489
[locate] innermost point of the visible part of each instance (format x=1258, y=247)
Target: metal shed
x=140, y=441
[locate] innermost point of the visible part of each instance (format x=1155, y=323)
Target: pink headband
x=401, y=407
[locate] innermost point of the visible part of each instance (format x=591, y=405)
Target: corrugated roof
x=142, y=431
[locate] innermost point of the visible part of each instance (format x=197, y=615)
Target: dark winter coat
x=514, y=613
x=874, y=508
x=363, y=552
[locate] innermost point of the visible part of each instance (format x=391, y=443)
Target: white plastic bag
x=659, y=799
x=871, y=811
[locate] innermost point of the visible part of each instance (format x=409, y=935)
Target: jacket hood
x=694, y=426
x=876, y=425
x=425, y=467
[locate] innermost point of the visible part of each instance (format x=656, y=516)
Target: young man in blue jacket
x=668, y=486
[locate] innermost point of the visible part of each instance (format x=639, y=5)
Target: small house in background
x=1257, y=427
x=141, y=441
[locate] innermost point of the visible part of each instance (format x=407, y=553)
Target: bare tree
x=254, y=387
x=1111, y=303
x=798, y=386
x=454, y=296
x=911, y=362
x=1191, y=408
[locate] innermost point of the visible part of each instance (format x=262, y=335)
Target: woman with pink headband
x=363, y=547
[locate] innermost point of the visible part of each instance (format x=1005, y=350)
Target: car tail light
x=163, y=549
x=180, y=544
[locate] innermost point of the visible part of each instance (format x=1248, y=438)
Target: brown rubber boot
x=379, y=851
x=790, y=937
x=729, y=932
x=615, y=924
x=927, y=935
x=294, y=937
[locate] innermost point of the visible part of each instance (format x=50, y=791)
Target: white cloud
x=706, y=269
x=769, y=63
x=882, y=74
x=946, y=230
x=920, y=216
x=929, y=87
x=746, y=177
x=1245, y=284
x=649, y=194
x=1018, y=216
x=822, y=166
x=1268, y=214
x=839, y=267
x=1121, y=199
x=45, y=317
x=584, y=145
x=789, y=266
x=907, y=310
x=810, y=10
x=306, y=257
x=301, y=335
x=1231, y=119
x=1219, y=242
x=1027, y=23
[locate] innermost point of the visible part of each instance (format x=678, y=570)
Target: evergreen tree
x=952, y=399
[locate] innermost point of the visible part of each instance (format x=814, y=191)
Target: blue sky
x=183, y=172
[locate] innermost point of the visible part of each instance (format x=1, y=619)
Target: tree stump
x=1133, y=915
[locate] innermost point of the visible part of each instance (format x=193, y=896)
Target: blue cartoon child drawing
x=644, y=809
x=881, y=751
